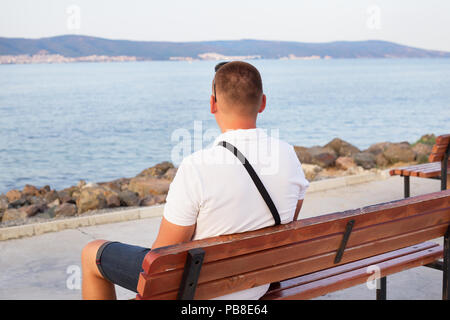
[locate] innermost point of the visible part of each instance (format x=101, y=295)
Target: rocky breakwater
x=340, y=158
x=336, y=158
x=33, y=204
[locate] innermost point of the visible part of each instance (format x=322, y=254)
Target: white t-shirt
x=213, y=189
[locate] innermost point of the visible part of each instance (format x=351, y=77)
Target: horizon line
x=242, y=39
x=219, y=40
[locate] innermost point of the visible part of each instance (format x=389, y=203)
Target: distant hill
x=81, y=46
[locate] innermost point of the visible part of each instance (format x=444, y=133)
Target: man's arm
x=297, y=210
x=170, y=233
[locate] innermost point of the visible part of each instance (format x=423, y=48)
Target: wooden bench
x=309, y=257
x=435, y=169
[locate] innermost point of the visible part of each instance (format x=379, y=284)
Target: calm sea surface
x=100, y=121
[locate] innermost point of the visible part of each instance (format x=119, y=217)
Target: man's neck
x=239, y=124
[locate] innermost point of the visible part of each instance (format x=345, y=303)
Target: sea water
x=60, y=123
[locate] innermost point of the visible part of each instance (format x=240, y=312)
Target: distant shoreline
x=57, y=59
x=72, y=48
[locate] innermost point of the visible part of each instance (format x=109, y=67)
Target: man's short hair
x=240, y=85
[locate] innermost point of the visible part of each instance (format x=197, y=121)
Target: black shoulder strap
x=258, y=183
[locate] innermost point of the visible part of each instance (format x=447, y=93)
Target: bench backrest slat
x=241, y=261
x=439, y=149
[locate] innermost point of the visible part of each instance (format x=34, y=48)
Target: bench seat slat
x=424, y=170
x=407, y=169
x=289, y=283
x=345, y=280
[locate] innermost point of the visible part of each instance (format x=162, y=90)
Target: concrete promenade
x=47, y=265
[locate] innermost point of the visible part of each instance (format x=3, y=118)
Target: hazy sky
x=423, y=24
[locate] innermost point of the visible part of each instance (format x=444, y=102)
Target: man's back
x=213, y=190
x=212, y=194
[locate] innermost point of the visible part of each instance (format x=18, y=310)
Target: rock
x=91, y=198
x=51, y=196
x=54, y=203
x=65, y=195
x=75, y=195
x=157, y=170
x=323, y=157
x=65, y=210
x=147, y=201
x=112, y=198
x=399, y=152
x=161, y=198
x=22, y=201
x=381, y=161
x=342, y=148
x=3, y=202
x=36, y=200
x=81, y=184
x=153, y=200
x=4, y=205
x=311, y=171
x=429, y=139
x=345, y=163
x=43, y=191
x=115, y=185
x=48, y=214
x=33, y=209
x=30, y=190
x=14, y=214
x=145, y=186
x=170, y=174
x=302, y=154
x=365, y=160
x=13, y=195
x=86, y=185
x=422, y=152
x=129, y=198
x=378, y=148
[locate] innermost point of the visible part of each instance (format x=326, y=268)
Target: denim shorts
x=121, y=263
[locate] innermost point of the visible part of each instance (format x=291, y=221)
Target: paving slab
x=47, y=266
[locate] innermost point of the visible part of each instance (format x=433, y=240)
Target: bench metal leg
x=444, y=171
x=406, y=186
x=381, y=288
x=446, y=267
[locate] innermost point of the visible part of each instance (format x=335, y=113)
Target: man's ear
x=263, y=104
x=213, y=104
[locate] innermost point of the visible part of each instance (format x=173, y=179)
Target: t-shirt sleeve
x=299, y=176
x=184, y=196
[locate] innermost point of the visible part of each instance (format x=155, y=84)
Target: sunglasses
x=216, y=68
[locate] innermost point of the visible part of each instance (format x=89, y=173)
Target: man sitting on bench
x=256, y=183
